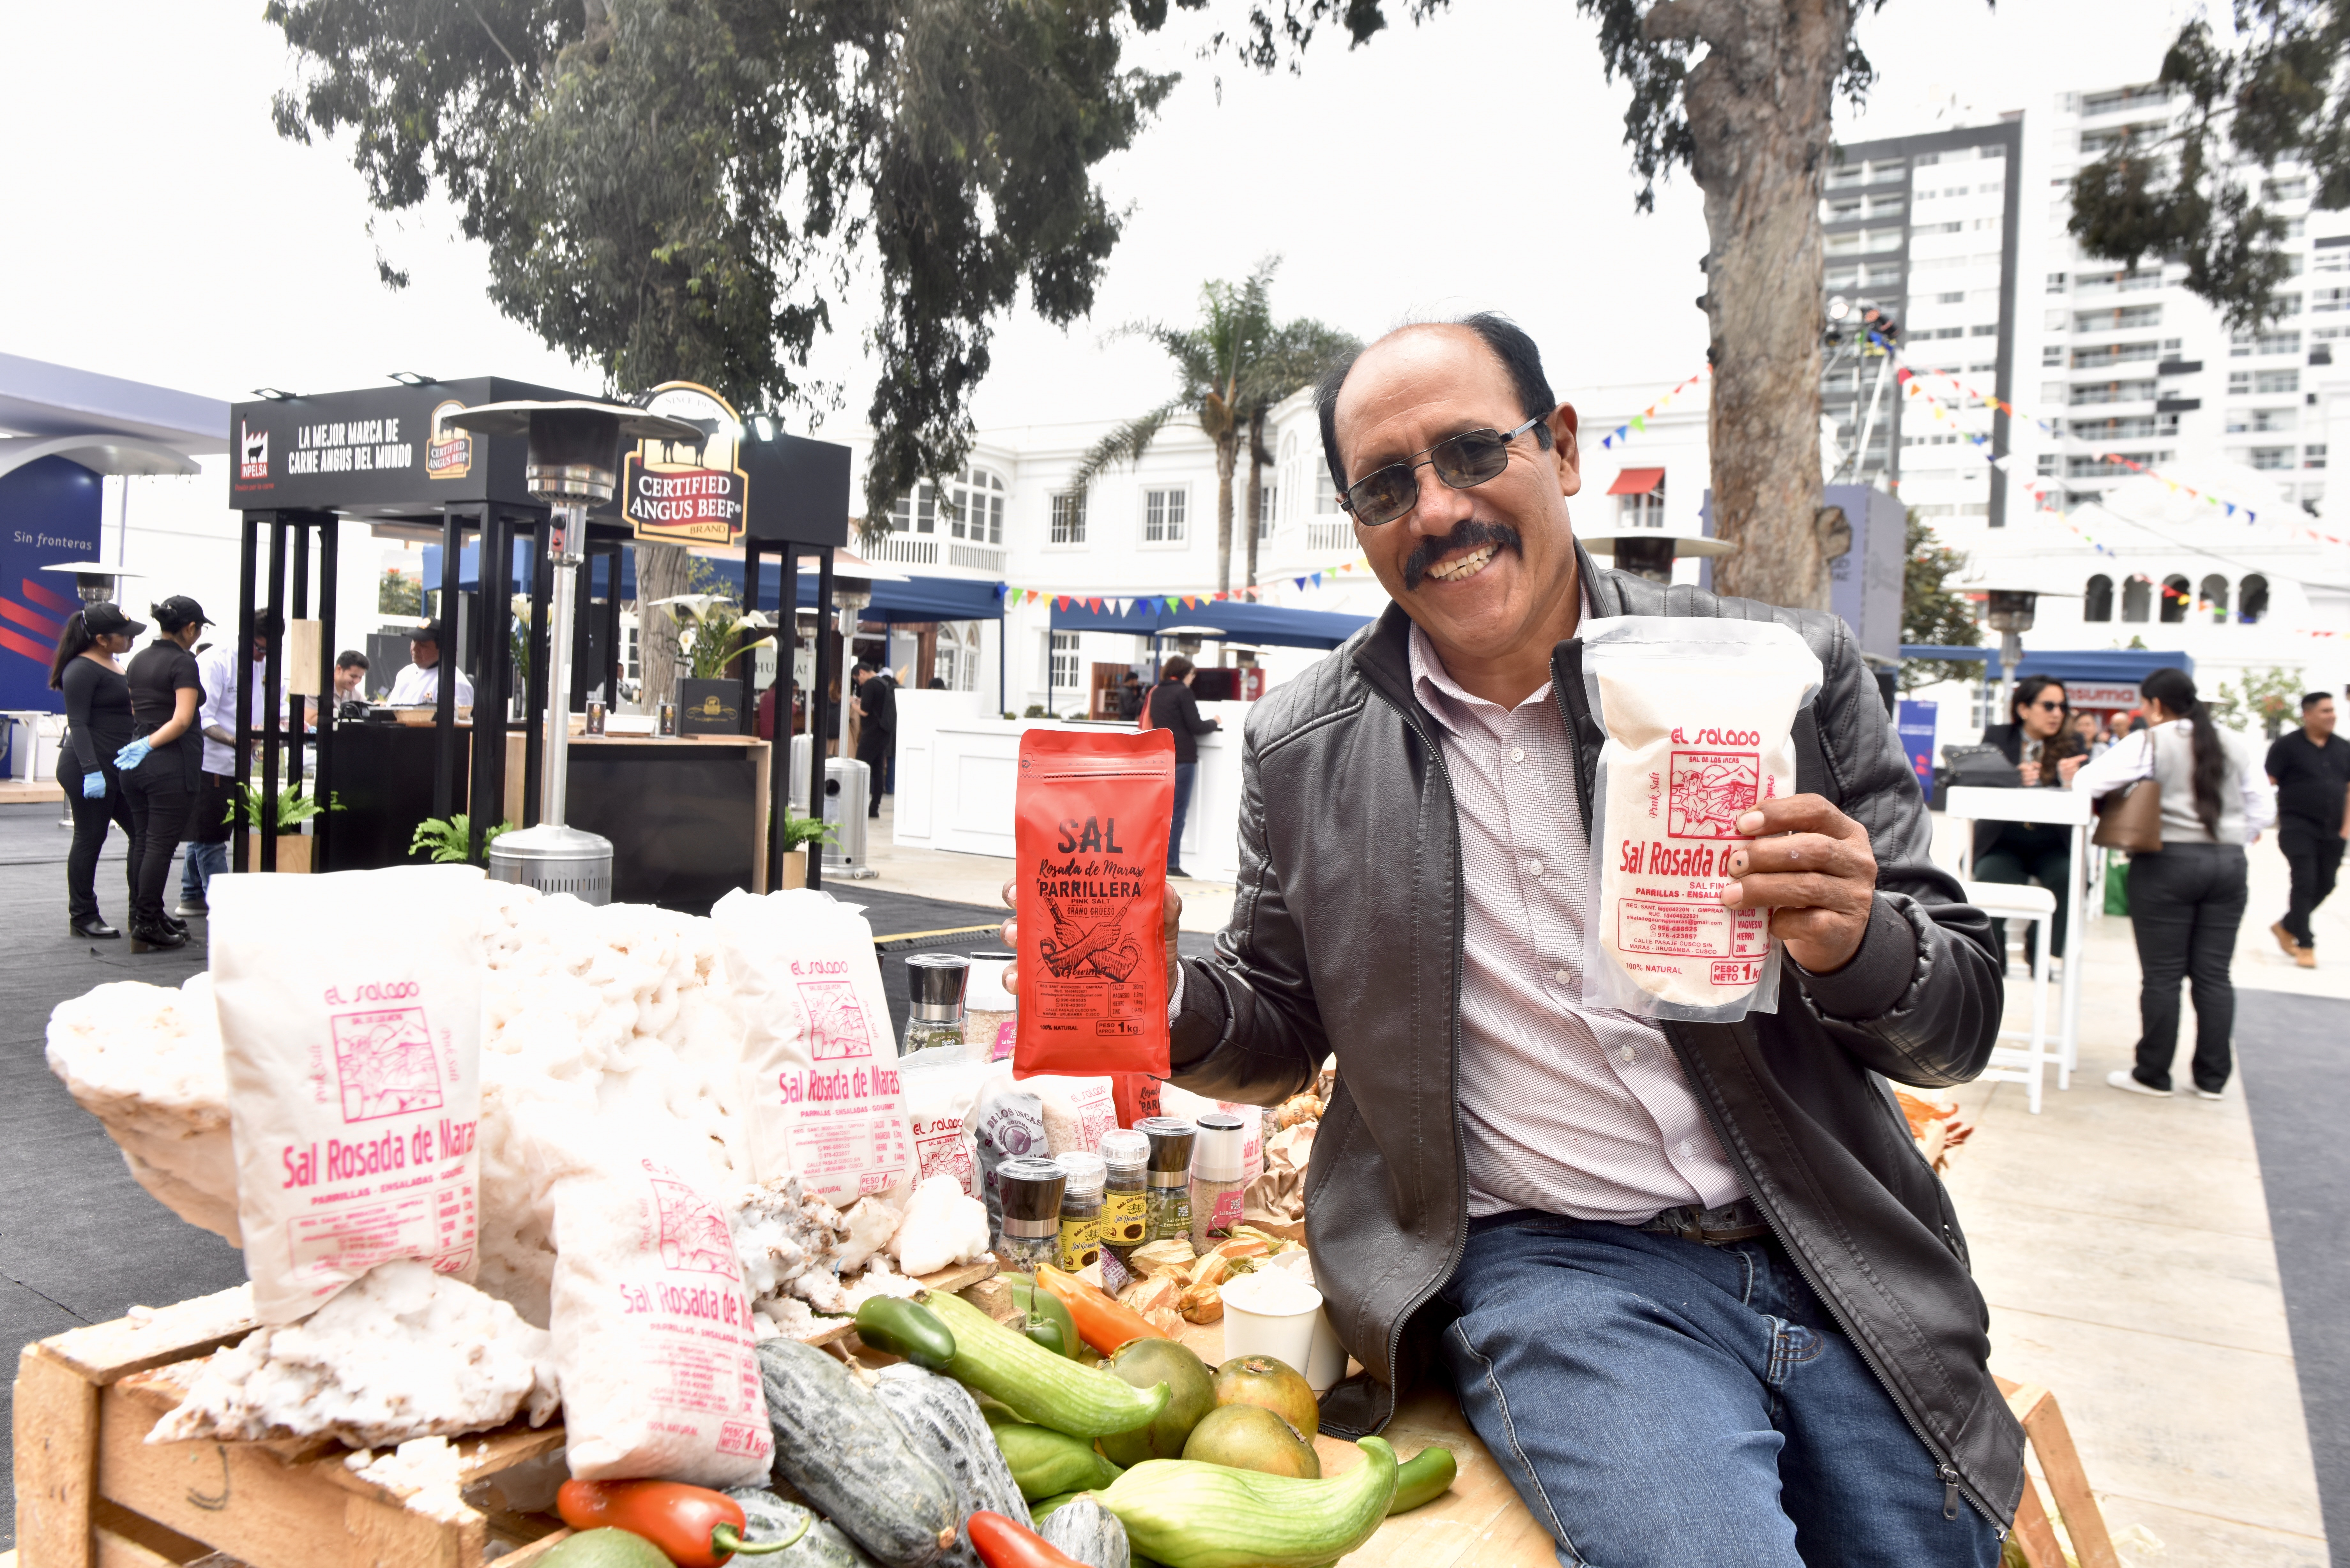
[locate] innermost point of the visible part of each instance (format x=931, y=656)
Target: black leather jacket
x=1346, y=936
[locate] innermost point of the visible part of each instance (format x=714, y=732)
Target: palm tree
x=1299, y=354
x=1230, y=371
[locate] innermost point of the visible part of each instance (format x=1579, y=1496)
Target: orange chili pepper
x=1103, y=1323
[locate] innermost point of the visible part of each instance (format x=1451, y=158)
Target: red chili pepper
x=1001, y=1543
x=694, y=1526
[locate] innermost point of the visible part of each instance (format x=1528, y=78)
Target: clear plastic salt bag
x=1700, y=719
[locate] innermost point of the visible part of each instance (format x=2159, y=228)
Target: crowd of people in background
x=2186, y=901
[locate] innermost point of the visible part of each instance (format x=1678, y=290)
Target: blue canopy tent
x=915, y=600
x=2116, y=666
x=1225, y=620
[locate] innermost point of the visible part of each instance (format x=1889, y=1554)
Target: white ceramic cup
x=1283, y=1332
x=1325, y=1361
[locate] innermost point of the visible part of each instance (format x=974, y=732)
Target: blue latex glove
x=93, y=786
x=131, y=755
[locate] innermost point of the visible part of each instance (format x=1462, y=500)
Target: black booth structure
x=680, y=812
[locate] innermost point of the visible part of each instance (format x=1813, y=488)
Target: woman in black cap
x=161, y=768
x=97, y=725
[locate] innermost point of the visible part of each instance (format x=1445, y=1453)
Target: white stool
x=2025, y=1064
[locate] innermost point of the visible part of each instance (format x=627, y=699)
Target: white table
x=2061, y=807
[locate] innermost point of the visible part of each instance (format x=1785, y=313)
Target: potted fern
x=799, y=834
x=448, y=840
x=293, y=807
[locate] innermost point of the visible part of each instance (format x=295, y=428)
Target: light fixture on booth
x=764, y=427
x=572, y=465
x=414, y=379
x=274, y=394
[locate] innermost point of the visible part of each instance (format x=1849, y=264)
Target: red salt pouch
x=1092, y=815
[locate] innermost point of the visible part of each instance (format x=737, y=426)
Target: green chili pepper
x=906, y=1328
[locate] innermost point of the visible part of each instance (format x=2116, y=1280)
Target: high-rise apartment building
x=2131, y=363
x=1924, y=229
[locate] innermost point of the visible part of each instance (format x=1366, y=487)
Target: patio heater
x=575, y=457
x=94, y=581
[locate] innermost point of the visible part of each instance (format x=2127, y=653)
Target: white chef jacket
x=417, y=685
x=216, y=666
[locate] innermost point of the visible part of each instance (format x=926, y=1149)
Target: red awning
x=1636, y=481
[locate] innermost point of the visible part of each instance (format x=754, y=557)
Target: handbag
x=2131, y=819
x=1981, y=767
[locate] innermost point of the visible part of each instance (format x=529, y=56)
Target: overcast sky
x=161, y=230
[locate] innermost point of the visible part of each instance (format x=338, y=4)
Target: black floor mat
x=2291, y=1050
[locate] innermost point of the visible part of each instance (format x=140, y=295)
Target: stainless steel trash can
x=847, y=785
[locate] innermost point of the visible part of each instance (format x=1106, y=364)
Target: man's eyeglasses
x=1462, y=461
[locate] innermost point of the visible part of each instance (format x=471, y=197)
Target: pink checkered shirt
x=1570, y=1109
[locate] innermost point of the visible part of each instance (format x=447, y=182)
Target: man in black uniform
x=2311, y=769
x=876, y=705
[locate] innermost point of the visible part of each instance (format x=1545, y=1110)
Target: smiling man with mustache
x=1696, y=1290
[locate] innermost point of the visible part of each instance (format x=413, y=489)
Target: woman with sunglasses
x=2040, y=741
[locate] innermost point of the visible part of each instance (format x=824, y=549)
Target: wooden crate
x=92, y=1492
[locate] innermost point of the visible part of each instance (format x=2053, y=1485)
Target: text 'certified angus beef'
x=1700, y=716
x=1094, y=812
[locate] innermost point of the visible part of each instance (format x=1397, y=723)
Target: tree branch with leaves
x=2199, y=191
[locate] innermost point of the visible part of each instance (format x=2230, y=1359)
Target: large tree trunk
x=663, y=571
x=1228, y=453
x=1256, y=491
x=1758, y=107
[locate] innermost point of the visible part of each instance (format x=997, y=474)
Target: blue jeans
x=1658, y=1402
x=203, y=862
x=1184, y=773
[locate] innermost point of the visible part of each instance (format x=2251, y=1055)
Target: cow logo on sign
x=687, y=492
x=252, y=452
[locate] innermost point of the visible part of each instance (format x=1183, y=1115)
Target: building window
x=1069, y=518
x=2174, y=600
x=1645, y=511
x=2214, y=598
x=1163, y=516
x=1326, y=492
x=2253, y=606
x=916, y=513
x=1061, y=662
x=2121, y=319
x=2270, y=457
x=2056, y=283
x=2137, y=596
x=2052, y=354
x=2098, y=604
x=2313, y=456
x=2244, y=344
x=976, y=508
x=1268, y=497
x=1986, y=704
